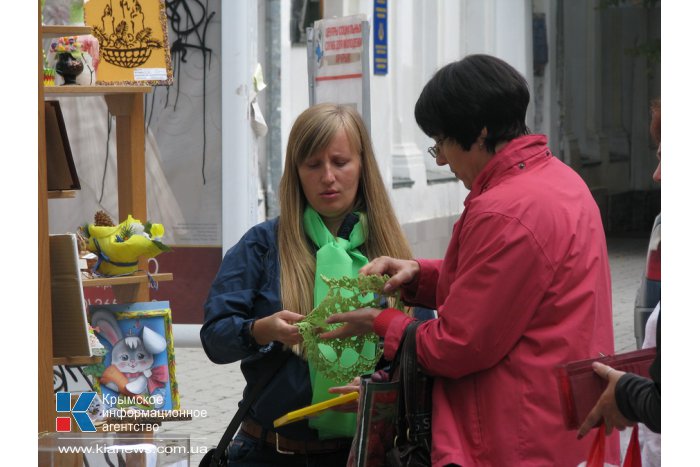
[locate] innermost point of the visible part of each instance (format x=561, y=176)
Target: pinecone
x=103, y=219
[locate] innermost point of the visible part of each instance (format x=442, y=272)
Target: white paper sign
x=338, y=60
x=146, y=74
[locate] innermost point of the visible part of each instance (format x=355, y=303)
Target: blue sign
x=381, y=37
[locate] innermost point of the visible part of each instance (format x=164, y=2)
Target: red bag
x=596, y=456
x=580, y=387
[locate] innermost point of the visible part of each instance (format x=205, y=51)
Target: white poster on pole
x=339, y=66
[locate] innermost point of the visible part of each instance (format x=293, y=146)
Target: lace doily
x=343, y=359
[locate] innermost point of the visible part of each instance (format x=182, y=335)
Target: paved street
x=217, y=388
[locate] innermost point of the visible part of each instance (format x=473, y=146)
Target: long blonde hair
x=313, y=131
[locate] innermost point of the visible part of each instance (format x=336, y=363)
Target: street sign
x=381, y=37
x=338, y=62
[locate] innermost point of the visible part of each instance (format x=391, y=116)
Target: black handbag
x=413, y=419
x=218, y=456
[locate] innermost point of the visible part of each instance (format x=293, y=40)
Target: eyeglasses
x=435, y=150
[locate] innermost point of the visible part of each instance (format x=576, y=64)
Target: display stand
x=126, y=104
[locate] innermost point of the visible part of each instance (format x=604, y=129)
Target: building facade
x=216, y=138
x=590, y=65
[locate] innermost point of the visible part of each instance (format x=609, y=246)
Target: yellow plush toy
x=118, y=247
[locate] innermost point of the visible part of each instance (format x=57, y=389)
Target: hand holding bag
x=580, y=387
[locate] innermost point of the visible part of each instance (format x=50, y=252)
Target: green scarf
x=335, y=258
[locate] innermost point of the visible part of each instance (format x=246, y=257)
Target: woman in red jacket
x=524, y=285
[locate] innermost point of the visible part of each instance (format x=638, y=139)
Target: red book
x=580, y=387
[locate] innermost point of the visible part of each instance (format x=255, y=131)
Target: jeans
x=245, y=451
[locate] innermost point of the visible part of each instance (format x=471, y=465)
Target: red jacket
x=524, y=287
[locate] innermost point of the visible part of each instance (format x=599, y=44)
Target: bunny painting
x=137, y=364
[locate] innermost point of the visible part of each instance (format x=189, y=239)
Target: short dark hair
x=476, y=92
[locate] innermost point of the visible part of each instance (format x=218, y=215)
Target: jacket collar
x=517, y=151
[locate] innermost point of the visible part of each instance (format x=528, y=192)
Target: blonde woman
x=334, y=211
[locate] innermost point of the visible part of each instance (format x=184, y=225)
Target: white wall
x=424, y=36
x=295, y=94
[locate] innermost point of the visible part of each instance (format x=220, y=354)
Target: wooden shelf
x=58, y=194
x=60, y=31
x=76, y=90
x=126, y=103
x=138, y=278
x=77, y=361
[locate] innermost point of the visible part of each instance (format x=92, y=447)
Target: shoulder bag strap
x=395, y=366
x=416, y=388
x=274, y=365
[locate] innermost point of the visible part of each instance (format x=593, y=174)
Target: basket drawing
x=125, y=58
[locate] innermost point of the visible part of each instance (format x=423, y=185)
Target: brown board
x=60, y=168
x=69, y=319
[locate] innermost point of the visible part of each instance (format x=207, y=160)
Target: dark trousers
x=245, y=451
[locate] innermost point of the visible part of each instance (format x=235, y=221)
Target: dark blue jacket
x=247, y=287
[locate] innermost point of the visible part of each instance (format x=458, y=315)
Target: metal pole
x=310, y=43
x=366, y=74
x=273, y=72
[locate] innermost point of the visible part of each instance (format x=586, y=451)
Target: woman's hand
x=277, y=327
x=606, y=407
x=402, y=271
x=357, y=323
x=352, y=386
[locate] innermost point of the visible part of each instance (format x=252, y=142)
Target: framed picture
x=138, y=370
x=133, y=38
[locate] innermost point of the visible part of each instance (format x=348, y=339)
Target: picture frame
x=138, y=370
x=133, y=38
